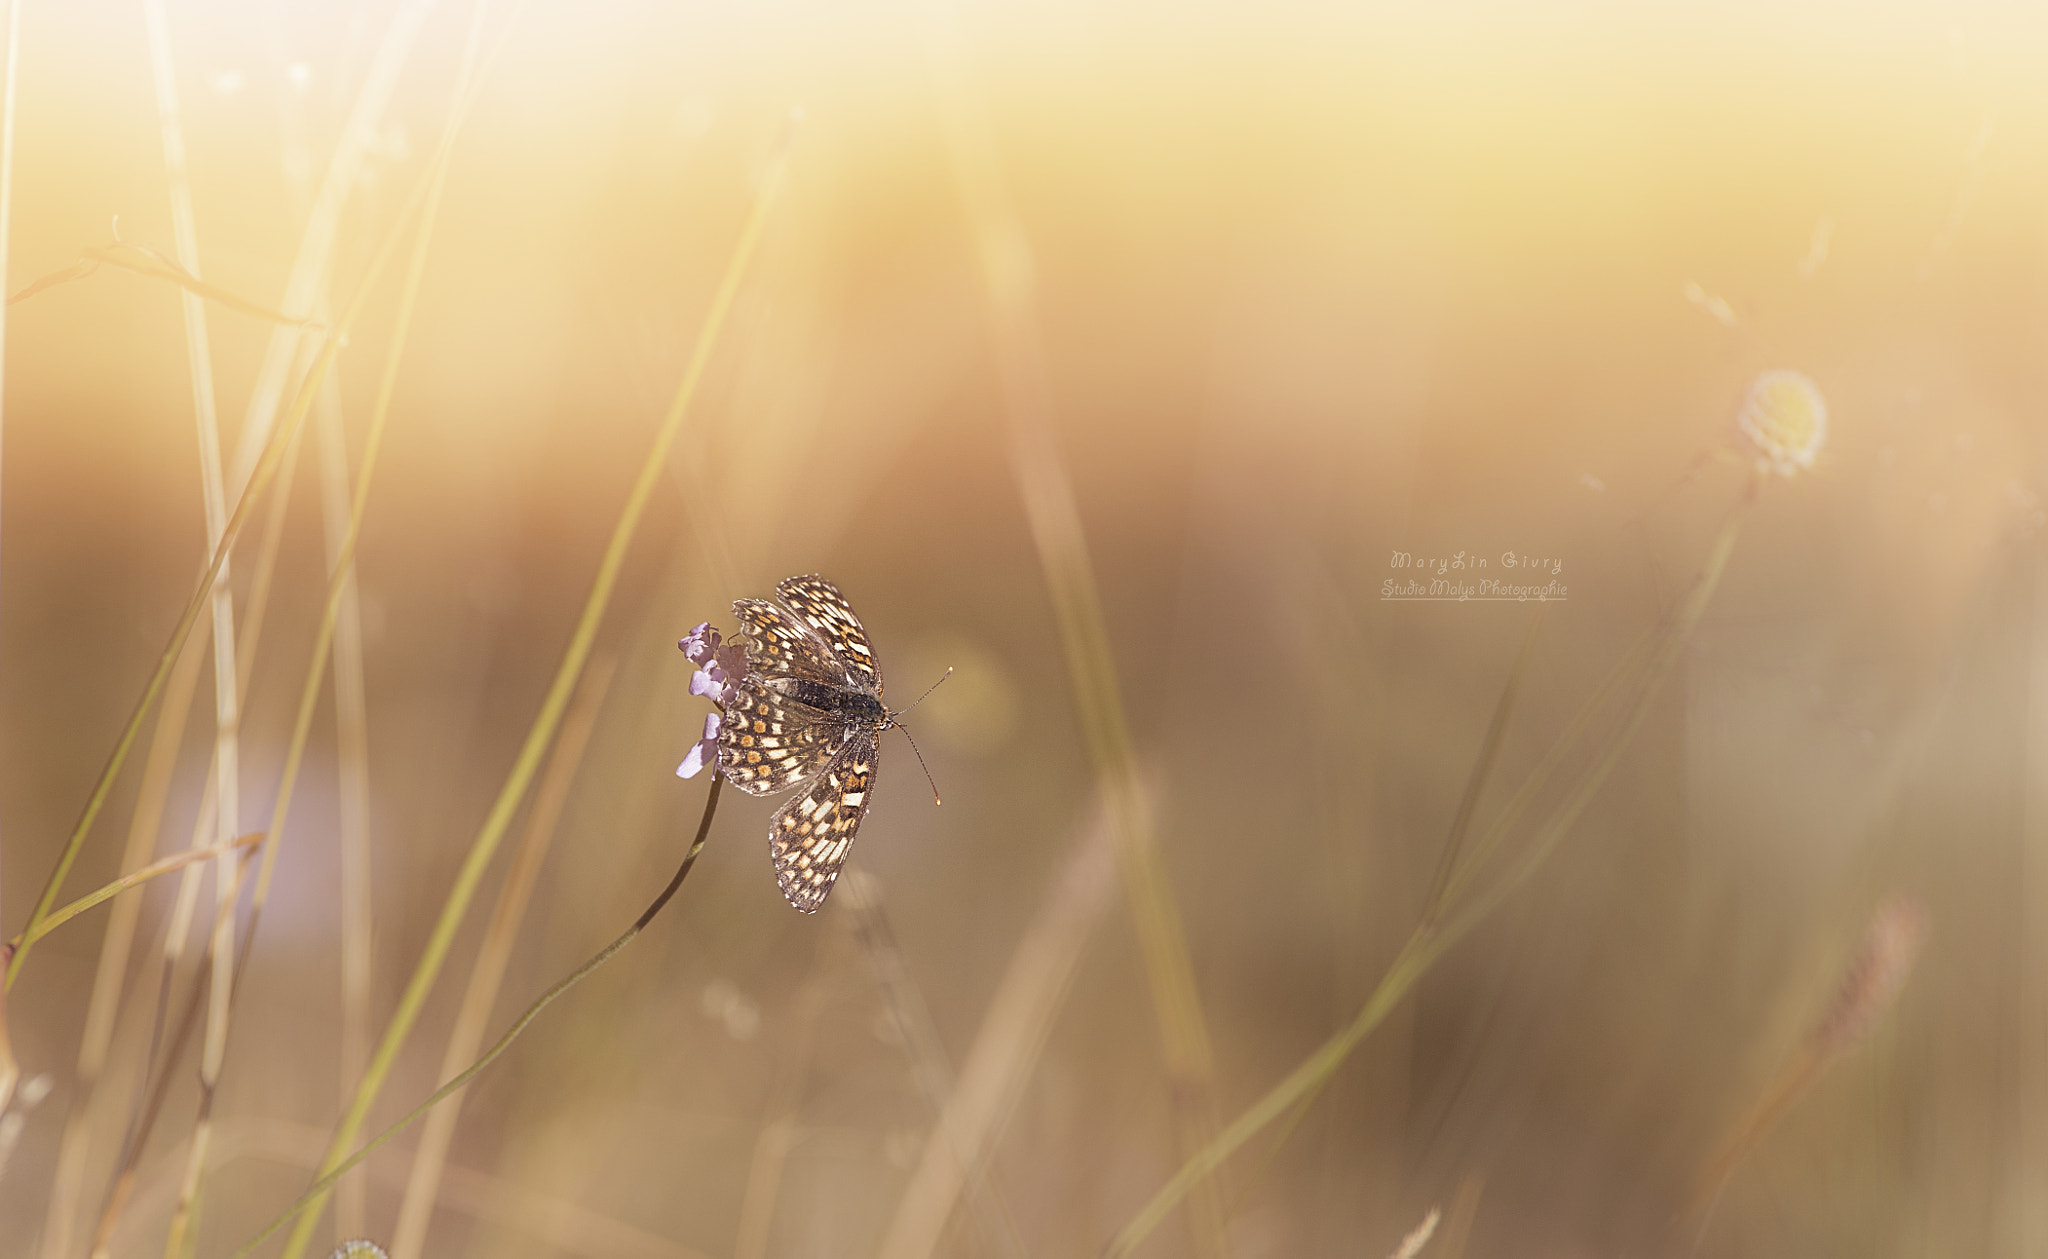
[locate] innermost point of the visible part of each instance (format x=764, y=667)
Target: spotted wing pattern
x=810, y=835
x=779, y=645
x=827, y=613
x=769, y=742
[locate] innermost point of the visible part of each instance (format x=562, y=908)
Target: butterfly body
x=847, y=703
x=809, y=714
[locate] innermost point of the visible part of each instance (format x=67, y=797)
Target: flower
x=704, y=752
x=721, y=664
x=1785, y=420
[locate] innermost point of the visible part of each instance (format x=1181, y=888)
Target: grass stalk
x=1482, y=770
x=309, y=1202
x=283, y=438
x=489, y=835
x=547, y=1218
x=259, y=481
x=227, y=700
x=323, y=224
x=107, y=892
x=116, y=944
x=228, y=962
x=352, y=744
x=1013, y=1030
x=778, y=1134
x=1055, y=522
x=9, y=90
x=174, y=1049
x=1866, y=990
x=487, y=974
x=87, y=1112
x=912, y=1018
x=1431, y=940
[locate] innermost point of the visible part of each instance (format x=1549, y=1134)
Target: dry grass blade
x=10, y=1071
x=1482, y=770
x=177, y=861
x=1868, y=987
x=156, y=267
x=921, y=1044
x=227, y=697
x=316, y=244
x=487, y=975
x=125, y=1178
x=1020, y=1013
x=1430, y=941
x=567, y=1227
x=283, y=438
x=259, y=481
x=352, y=746
x=541, y=732
x=115, y=946
x=92, y=1108
x=777, y=1135
x=1419, y=1236
x=308, y=1203
x=1009, y=285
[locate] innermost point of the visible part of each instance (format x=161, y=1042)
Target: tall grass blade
x=487, y=974
x=485, y=844
x=1431, y=941
x=1054, y=517
x=1020, y=1014
x=309, y=1202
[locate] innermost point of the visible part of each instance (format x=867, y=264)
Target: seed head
x=1879, y=970
x=1784, y=419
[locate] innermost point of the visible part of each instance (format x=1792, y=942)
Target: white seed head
x=1784, y=419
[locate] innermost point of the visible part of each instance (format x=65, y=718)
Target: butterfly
x=808, y=713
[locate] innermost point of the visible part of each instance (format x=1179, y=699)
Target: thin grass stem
x=487, y=974
x=227, y=698
x=177, y=861
x=1010, y=289
x=488, y=836
x=1482, y=769
x=116, y=944
x=309, y=1201
x=1013, y=1031
x=316, y=243
x=352, y=755
x=1430, y=942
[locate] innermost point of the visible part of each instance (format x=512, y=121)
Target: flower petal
x=700, y=644
x=704, y=753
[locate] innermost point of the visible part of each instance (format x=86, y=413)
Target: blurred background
x=1308, y=285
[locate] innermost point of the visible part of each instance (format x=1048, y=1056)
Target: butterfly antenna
x=913, y=742
x=927, y=693
x=920, y=763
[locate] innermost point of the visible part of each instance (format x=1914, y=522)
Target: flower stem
x=318, y=1190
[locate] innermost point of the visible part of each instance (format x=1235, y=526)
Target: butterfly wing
x=779, y=645
x=823, y=609
x=811, y=834
x=768, y=742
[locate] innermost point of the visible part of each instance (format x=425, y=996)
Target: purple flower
x=721, y=665
x=704, y=752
